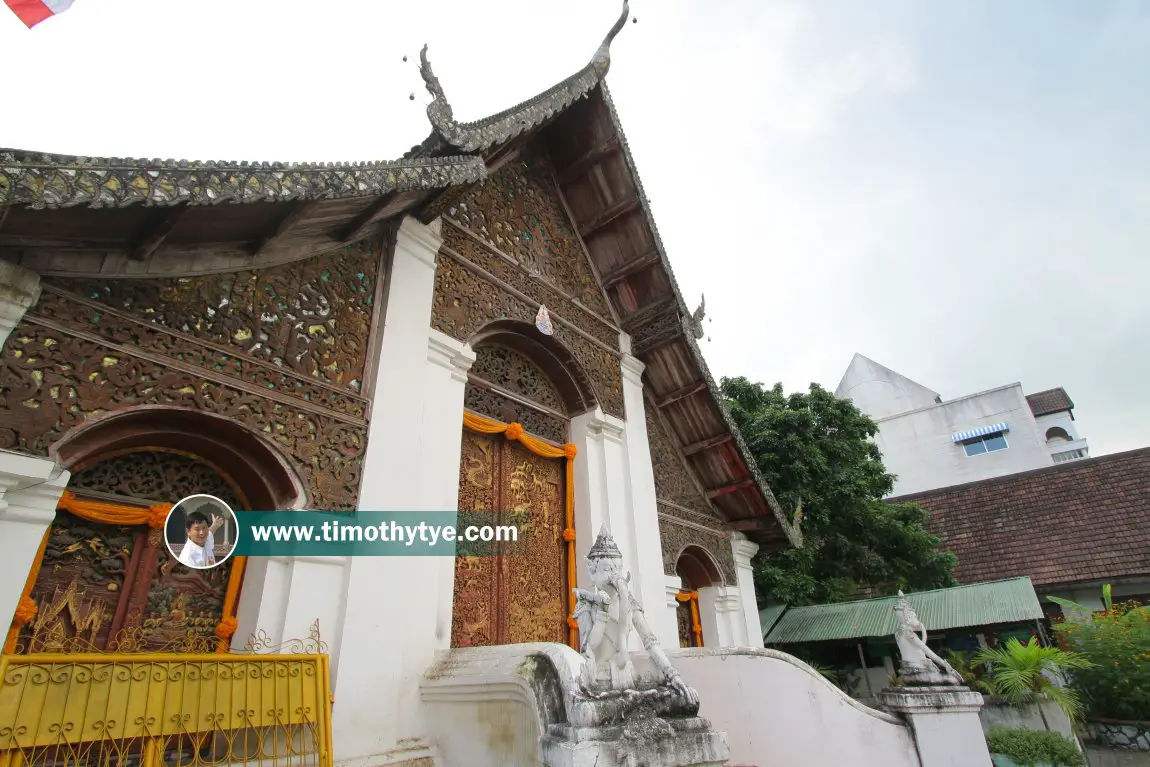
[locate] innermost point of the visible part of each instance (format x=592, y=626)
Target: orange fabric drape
x=515, y=433
x=696, y=623
x=110, y=513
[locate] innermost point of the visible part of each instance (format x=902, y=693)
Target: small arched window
x=1056, y=435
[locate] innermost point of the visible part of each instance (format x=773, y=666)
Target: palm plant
x=1023, y=673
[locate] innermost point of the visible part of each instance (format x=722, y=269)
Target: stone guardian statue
x=919, y=665
x=606, y=615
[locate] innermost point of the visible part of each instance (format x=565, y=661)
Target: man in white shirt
x=199, y=551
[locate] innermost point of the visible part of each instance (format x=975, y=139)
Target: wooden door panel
x=474, y=617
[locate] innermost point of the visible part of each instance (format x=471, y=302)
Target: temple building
x=489, y=322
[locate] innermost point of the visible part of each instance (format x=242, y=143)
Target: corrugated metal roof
x=770, y=615
x=979, y=604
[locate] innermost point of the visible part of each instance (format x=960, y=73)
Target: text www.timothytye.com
x=385, y=532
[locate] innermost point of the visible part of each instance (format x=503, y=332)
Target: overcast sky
x=960, y=191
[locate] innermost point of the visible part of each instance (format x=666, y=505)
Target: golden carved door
x=519, y=593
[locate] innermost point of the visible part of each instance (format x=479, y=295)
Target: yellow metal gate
x=164, y=710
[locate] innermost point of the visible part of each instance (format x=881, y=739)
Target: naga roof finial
x=476, y=136
x=601, y=61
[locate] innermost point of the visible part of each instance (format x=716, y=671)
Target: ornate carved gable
x=518, y=211
x=509, y=248
x=674, y=486
x=685, y=517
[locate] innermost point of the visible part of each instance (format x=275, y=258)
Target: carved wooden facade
x=509, y=247
x=282, y=351
x=685, y=516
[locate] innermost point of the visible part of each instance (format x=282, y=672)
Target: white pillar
x=648, y=579
x=30, y=488
x=945, y=723
x=672, y=585
x=392, y=601
x=19, y=291
x=283, y=597
x=601, y=491
x=713, y=616
x=428, y=621
x=744, y=550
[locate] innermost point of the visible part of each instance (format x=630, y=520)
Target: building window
x=987, y=443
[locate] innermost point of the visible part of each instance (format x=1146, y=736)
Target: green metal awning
x=769, y=616
x=979, y=604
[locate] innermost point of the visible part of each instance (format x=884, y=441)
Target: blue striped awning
x=981, y=431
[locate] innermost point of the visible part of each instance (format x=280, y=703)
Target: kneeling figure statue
x=606, y=614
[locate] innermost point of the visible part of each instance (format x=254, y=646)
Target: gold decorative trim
x=259, y=642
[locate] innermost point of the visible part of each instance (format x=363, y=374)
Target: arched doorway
x=516, y=469
x=696, y=571
x=104, y=580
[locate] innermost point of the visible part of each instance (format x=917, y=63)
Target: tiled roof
x=1049, y=401
x=1074, y=522
x=979, y=604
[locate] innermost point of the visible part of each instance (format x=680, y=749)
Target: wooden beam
x=161, y=226
x=730, y=487
x=623, y=271
x=707, y=444
x=617, y=210
x=751, y=525
x=360, y=224
x=283, y=226
x=588, y=160
x=689, y=390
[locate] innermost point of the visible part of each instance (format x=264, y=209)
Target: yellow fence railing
x=164, y=710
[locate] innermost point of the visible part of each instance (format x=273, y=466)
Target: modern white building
x=929, y=443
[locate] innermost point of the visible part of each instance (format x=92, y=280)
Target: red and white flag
x=32, y=12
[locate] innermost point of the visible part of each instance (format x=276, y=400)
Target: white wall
x=880, y=392
x=918, y=446
x=776, y=710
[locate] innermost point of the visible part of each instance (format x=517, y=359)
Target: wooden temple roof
x=112, y=217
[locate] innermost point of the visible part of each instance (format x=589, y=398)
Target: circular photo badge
x=201, y=532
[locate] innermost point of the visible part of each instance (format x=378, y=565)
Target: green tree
x=815, y=452
x=1022, y=674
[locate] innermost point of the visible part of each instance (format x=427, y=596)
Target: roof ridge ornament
x=483, y=134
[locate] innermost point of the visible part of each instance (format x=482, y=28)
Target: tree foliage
x=814, y=449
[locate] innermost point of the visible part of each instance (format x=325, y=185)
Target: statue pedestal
x=944, y=719
x=643, y=740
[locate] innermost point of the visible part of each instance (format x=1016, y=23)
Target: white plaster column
x=744, y=550
x=30, y=488
x=19, y=291
x=715, y=610
x=284, y=596
x=672, y=585
x=648, y=578
x=945, y=723
x=428, y=621
x=392, y=601
x=601, y=491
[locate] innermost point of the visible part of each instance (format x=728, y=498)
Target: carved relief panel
x=103, y=586
x=282, y=351
x=513, y=373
